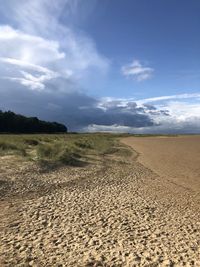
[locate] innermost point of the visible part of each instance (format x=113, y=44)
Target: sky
x=103, y=65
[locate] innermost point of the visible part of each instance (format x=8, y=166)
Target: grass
x=58, y=151
x=124, y=152
x=68, y=149
x=11, y=148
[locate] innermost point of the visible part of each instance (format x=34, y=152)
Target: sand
x=114, y=212
x=174, y=158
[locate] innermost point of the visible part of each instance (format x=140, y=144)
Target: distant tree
x=15, y=123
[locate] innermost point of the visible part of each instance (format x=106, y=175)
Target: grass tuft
x=10, y=148
x=58, y=152
x=6, y=146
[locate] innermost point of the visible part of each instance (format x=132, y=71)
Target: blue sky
x=164, y=34
x=125, y=65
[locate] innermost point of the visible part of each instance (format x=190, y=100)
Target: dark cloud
x=73, y=108
x=81, y=112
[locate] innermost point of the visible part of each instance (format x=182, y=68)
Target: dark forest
x=15, y=123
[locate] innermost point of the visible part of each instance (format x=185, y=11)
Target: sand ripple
x=113, y=213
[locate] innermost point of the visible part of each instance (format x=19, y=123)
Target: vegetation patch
x=6, y=146
x=67, y=149
x=10, y=148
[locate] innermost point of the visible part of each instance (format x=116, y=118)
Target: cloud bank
x=77, y=110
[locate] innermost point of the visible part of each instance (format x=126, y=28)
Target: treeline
x=15, y=123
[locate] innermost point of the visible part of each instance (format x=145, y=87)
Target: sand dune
x=116, y=212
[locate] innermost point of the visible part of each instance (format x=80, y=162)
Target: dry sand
x=174, y=158
x=116, y=212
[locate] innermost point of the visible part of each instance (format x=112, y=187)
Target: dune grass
x=68, y=149
x=12, y=148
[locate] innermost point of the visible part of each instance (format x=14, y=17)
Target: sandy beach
x=141, y=210
x=174, y=158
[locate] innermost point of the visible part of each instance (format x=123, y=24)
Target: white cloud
x=73, y=52
x=24, y=64
x=34, y=82
x=28, y=48
x=168, y=97
x=40, y=39
x=137, y=71
x=115, y=128
x=184, y=117
x=169, y=116
x=33, y=85
x=38, y=16
x=183, y=111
